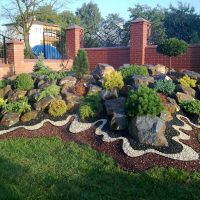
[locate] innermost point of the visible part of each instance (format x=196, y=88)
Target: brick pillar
x=73, y=40
x=139, y=35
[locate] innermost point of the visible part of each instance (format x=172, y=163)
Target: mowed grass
x=46, y=168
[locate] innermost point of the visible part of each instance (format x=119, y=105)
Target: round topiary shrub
x=24, y=82
x=57, y=108
x=167, y=87
x=144, y=101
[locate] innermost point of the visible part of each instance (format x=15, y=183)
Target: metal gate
x=54, y=44
x=3, y=48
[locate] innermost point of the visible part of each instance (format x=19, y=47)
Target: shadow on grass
x=9, y=173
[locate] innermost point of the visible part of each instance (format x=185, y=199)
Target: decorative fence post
x=139, y=35
x=73, y=40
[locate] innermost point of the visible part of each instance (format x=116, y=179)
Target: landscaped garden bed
x=143, y=116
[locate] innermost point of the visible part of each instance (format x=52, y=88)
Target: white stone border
x=187, y=154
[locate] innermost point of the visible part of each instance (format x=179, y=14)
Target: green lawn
x=49, y=169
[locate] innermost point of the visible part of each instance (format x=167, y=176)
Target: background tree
x=172, y=47
x=155, y=15
x=90, y=17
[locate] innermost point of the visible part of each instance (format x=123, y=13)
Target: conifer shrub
x=24, y=82
x=144, y=101
x=4, y=83
x=191, y=107
x=86, y=112
x=187, y=81
x=57, y=108
x=2, y=102
x=81, y=64
x=167, y=87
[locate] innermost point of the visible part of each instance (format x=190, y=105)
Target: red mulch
x=113, y=149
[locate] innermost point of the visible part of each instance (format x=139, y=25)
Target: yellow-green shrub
x=2, y=102
x=187, y=81
x=57, y=108
x=113, y=80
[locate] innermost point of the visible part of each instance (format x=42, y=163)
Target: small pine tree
x=172, y=47
x=81, y=64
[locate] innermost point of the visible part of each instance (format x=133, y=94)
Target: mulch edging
x=114, y=149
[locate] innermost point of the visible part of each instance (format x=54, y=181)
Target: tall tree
x=183, y=23
x=155, y=15
x=90, y=19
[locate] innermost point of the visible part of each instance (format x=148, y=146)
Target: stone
x=29, y=116
x=72, y=100
x=119, y=122
x=46, y=84
x=89, y=79
x=173, y=102
x=43, y=103
x=139, y=80
x=148, y=130
x=185, y=89
x=192, y=74
x=94, y=88
x=115, y=106
x=15, y=95
x=10, y=119
x=124, y=91
x=157, y=69
x=106, y=95
x=101, y=70
x=69, y=81
x=32, y=94
x=166, y=116
x=5, y=91
x=183, y=97
x=161, y=77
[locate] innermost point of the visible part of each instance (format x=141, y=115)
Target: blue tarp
x=50, y=51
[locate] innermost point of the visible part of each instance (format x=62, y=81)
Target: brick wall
x=112, y=56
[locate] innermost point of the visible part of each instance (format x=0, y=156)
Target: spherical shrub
x=113, y=80
x=143, y=101
x=85, y=112
x=24, y=82
x=187, y=81
x=128, y=72
x=167, y=87
x=192, y=107
x=57, y=108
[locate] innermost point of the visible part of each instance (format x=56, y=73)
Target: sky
x=121, y=6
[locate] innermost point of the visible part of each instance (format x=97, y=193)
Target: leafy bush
x=52, y=90
x=57, y=75
x=81, y=65
x=90, y=106
x=40, y=68
x=192, y=107
x=143, y=101
x=167, y=87
x=4, y=83
x=20, y=106
x=2, y=102
x=85, y=112
x=132, y=70
x=187, y=81
x=57, y=108
x=24, y=82
x=113, y=80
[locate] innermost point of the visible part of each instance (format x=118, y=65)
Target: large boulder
x=185, y=89
x=15, y=95
x=119, y=122
x=10, y=119
x=148, y=130
x=26, y=117
x=192, y=74
x=101, y=70
x=173, y=102
x=166, y=116
x=46, y=84
x=32, y=94
x=43, y=103
x=157, y=69
x=5, y=91
x=106, y=95
x=69, y=81
x=183, y=97
x=139, y=80
x=94, y=88
x=72, y=100
x=115, y=105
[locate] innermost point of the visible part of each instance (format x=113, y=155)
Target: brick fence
x=139, y=52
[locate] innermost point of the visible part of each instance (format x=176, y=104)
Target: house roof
x=35, y=22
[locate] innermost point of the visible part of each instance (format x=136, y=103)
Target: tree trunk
x=27, y=44
x=170, y=64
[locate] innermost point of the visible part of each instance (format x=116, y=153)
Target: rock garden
x=143, y=116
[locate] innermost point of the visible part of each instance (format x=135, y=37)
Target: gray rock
x=89, y=79
x=5, y=91
x=186, y=90
x=29, y=116
x=32, y=94
x=46, y=84
x=173, y=102
x=119, y=122
x=139, y=80
x=166, y=116
x=161, y=77
x=157, y=69
x=69, y=81
x=124, y=91
x=192, y=74
x=115, y=106
x=183, y=97
x=43, y=103
x=148, y=130
x=72, y=100
x=15, y=95
x=94, y=88
x=101, y=70
x=105, y=94
x=10, y=119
